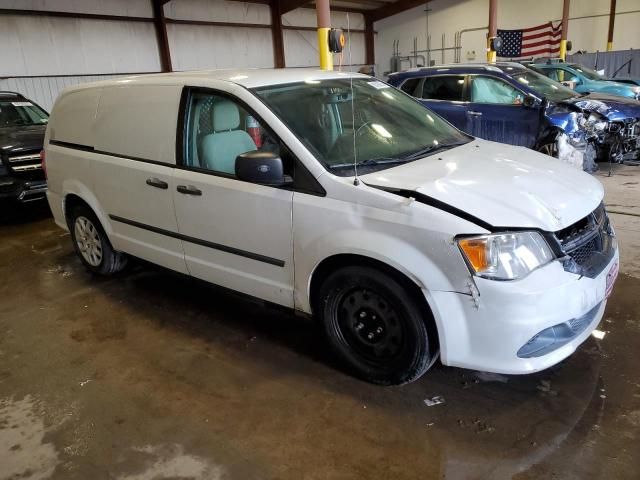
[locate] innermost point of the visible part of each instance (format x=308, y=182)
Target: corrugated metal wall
x=44, y=90
x=610, y=62
x=40, y=55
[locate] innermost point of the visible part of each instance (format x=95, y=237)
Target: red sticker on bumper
x=611, y=278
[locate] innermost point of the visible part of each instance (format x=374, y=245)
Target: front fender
x=409, y=260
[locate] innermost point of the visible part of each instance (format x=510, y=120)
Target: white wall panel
x=218, y=11
x=44, y=90
x=203, y=47
x=133, y=8
x=50, y=46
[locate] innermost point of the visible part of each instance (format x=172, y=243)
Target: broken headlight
x=593, y=123
x=505, y=256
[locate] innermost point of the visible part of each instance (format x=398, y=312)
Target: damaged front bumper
x=577, y=150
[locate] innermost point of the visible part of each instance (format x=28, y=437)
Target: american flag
x=540, y=41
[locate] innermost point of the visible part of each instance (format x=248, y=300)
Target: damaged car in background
x=508, y=103
x=612, y=125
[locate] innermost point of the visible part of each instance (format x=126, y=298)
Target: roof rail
x=485, y=66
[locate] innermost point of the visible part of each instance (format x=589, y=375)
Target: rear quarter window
x=411, y=86
x=444, y=87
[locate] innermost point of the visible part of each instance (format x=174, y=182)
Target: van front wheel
x=91, y=243
x=375, y=326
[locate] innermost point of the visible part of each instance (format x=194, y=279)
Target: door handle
x=189, y=190
x=156, y=182
x=474, y=114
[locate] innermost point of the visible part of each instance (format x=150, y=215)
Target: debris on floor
x=437, y=400
x=545, y=387
x=60, y=270
x=491, y=377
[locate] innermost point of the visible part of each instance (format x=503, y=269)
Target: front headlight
x=505, y=256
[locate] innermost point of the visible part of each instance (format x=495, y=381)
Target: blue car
x=508, y=103
x=585, y=80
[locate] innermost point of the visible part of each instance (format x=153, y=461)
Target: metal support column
x=369, y=41
x=565, y=30
x=493, y=30
x=612, y=21
x=276, y=34
x=323, y=15
x=160, y=23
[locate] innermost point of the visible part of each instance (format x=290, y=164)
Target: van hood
x=502, y=185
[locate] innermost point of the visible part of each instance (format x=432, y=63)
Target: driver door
x=235, y=234
x=496, y=112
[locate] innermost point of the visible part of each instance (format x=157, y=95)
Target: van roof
x=246, y=77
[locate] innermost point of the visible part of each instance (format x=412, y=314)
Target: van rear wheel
x=91, y=243
x=375, y=326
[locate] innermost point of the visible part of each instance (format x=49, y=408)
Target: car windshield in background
x=554, y=91
x=587, y=72
x=21, y=113
x=389, y=126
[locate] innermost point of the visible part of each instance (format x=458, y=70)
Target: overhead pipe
x=459, y=44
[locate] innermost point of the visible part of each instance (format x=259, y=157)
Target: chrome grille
x=26, y=165
x=24, y=168
x=32, y=157
x=587, y=243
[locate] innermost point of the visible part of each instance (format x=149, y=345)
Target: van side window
x=444, y=87
x=493, y=90
x=218, y=130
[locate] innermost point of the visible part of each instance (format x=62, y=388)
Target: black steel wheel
x=375, y=326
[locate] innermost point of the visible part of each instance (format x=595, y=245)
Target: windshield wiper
x=432, y=149
x=370, y=162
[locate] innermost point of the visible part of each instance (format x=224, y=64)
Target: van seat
x=221, y=147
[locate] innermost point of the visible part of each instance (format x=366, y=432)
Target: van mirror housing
x=264, y=168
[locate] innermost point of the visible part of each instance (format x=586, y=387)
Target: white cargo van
x=339, y=196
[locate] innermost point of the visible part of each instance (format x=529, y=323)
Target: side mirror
x=529, y=101
x=264, y=168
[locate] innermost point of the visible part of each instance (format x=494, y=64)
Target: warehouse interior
x=158, y=372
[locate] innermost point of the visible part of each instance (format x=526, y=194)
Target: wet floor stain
x=152, y=375
x=24, y=453
x=167, y=461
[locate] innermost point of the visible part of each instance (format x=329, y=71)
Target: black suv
x=22, y=127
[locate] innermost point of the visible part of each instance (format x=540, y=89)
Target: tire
x=549, y=148
x=91, y=243
x=375, y=326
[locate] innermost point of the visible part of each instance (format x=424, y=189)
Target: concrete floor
x=152, y=376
